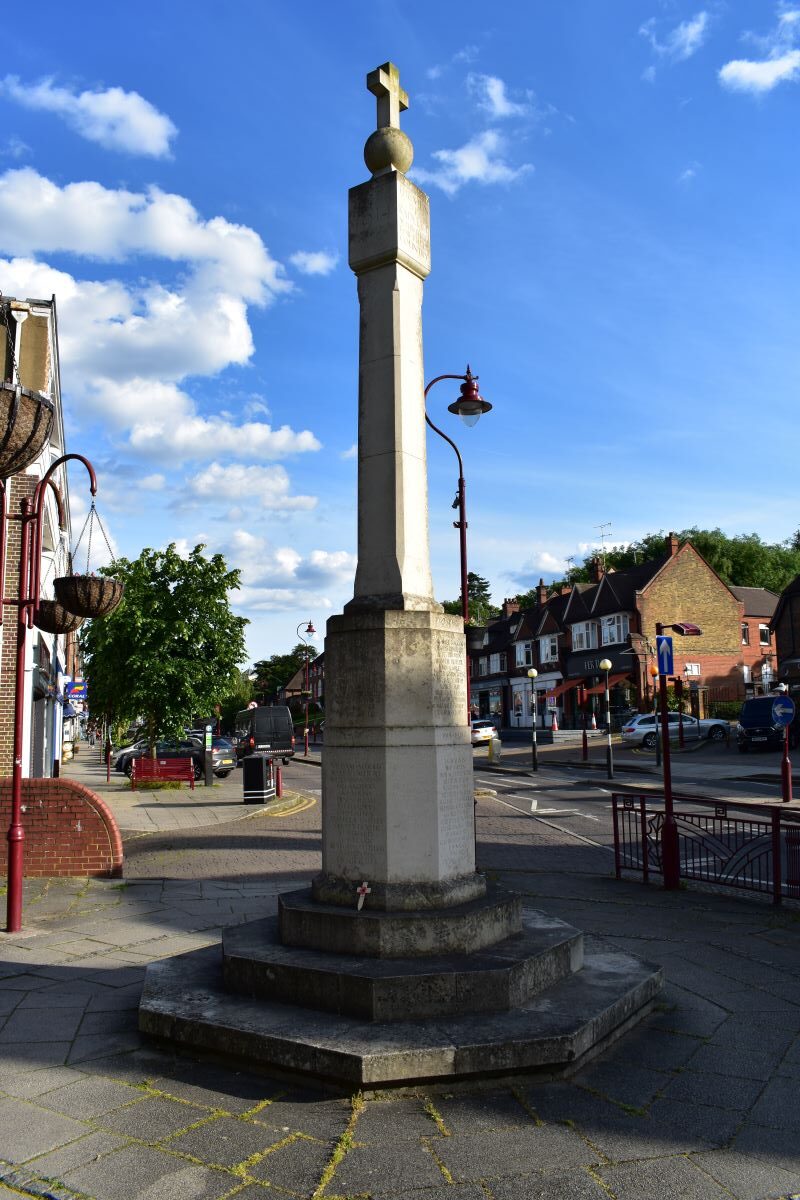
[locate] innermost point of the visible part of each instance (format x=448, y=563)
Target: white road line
x=569, y=832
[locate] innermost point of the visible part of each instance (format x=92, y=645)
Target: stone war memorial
x=400, y=963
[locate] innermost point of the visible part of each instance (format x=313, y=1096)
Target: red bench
x=162, y=768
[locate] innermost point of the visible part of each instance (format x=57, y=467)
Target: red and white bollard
x=593, y=722
x=554, y=725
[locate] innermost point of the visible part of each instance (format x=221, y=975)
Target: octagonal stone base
x=500, y=977
x=185, y=1003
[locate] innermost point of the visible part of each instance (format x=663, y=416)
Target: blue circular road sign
x=783, y=711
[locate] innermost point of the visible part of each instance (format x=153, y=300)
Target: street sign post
x=783, y=715
x=664, y=655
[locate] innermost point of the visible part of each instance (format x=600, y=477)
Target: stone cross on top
x=384, y=82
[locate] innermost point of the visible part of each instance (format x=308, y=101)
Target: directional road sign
x=783, y=711
x=664, y=655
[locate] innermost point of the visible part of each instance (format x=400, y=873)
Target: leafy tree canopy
x=743, y=561
x=172, y=647
x=481, y=608
x=275, y=672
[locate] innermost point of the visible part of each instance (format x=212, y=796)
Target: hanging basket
x=88, y=595
x=52, y=617
x=26, y=420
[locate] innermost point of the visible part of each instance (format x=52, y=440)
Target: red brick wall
x=68, y=829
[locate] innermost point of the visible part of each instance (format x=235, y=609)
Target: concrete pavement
x=698, y=1102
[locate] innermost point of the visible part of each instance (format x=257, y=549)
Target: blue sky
x=614, y=193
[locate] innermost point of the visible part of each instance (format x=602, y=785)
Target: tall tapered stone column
x=397, y=769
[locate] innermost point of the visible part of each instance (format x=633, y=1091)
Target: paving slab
x=671, y=1103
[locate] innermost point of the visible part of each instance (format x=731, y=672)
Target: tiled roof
x=758, y=602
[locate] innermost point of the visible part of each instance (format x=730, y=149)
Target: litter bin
x=258, y=778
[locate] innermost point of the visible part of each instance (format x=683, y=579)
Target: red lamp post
x=470, y=406
x=310, y=631
x=31, y=518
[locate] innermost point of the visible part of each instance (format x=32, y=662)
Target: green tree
x=172, y=647
x=239, y=697
x=742, y=561
x=275, y=672
x=481, y=609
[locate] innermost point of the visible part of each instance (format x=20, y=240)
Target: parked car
x=223, y=755
x=757, y=728
x=483, y=730
x=643, y=729
x=267, y=729
x=124, y=751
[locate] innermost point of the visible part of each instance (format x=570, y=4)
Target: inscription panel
x=354, y=814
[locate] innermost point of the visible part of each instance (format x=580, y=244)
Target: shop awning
x=613, y=680
x=551, y=693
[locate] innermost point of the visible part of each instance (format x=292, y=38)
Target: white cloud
x=314, y=262
x=467, y=54
x=14, y=147
x=741, y=75
x=115, y=119
x=681, y=42
x=492, y=98
x=153, y=483
x=265, y=487
x=279, y=579
x=351, y=452
x=479, y=161
x=689, y=173
x=132, y=344
x=780, y=62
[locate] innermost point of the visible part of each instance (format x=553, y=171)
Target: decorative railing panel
x=719, y=843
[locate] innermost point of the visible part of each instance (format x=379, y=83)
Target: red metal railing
x=718, y=843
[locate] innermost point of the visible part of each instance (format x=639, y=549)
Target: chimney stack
x=673, y=544
x=598, y=570
x=510, y=606
x=541, y=594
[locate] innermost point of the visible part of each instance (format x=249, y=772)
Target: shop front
x=588, y=685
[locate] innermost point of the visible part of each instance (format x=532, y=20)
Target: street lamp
x=532, y=674
x=605, y=665
x=470, y=406
x=670, y=848
x=310, y=631
x=31, y=518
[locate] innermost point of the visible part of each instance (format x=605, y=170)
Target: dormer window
x=524, y=655
x=614, y=629
x=584, y=636
x=548, y=648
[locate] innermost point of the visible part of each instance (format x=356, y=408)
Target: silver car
x=483, y=731
x=643, y=729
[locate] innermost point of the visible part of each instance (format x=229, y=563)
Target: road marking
x=553, y=825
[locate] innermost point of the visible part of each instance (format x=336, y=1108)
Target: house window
x=548, y=648
x=483, y=666
x=524, y=654
x=614, y=629
x=494, y=664
x=503, y=661
x=584, y=636
x=763, y=635
x=745, y=634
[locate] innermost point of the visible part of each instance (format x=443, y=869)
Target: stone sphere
x=388, y=147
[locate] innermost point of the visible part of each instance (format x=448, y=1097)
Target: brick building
x=785, y=626
x=29, y=338
x=566, y=636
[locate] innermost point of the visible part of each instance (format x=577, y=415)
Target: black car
x=757, y=728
